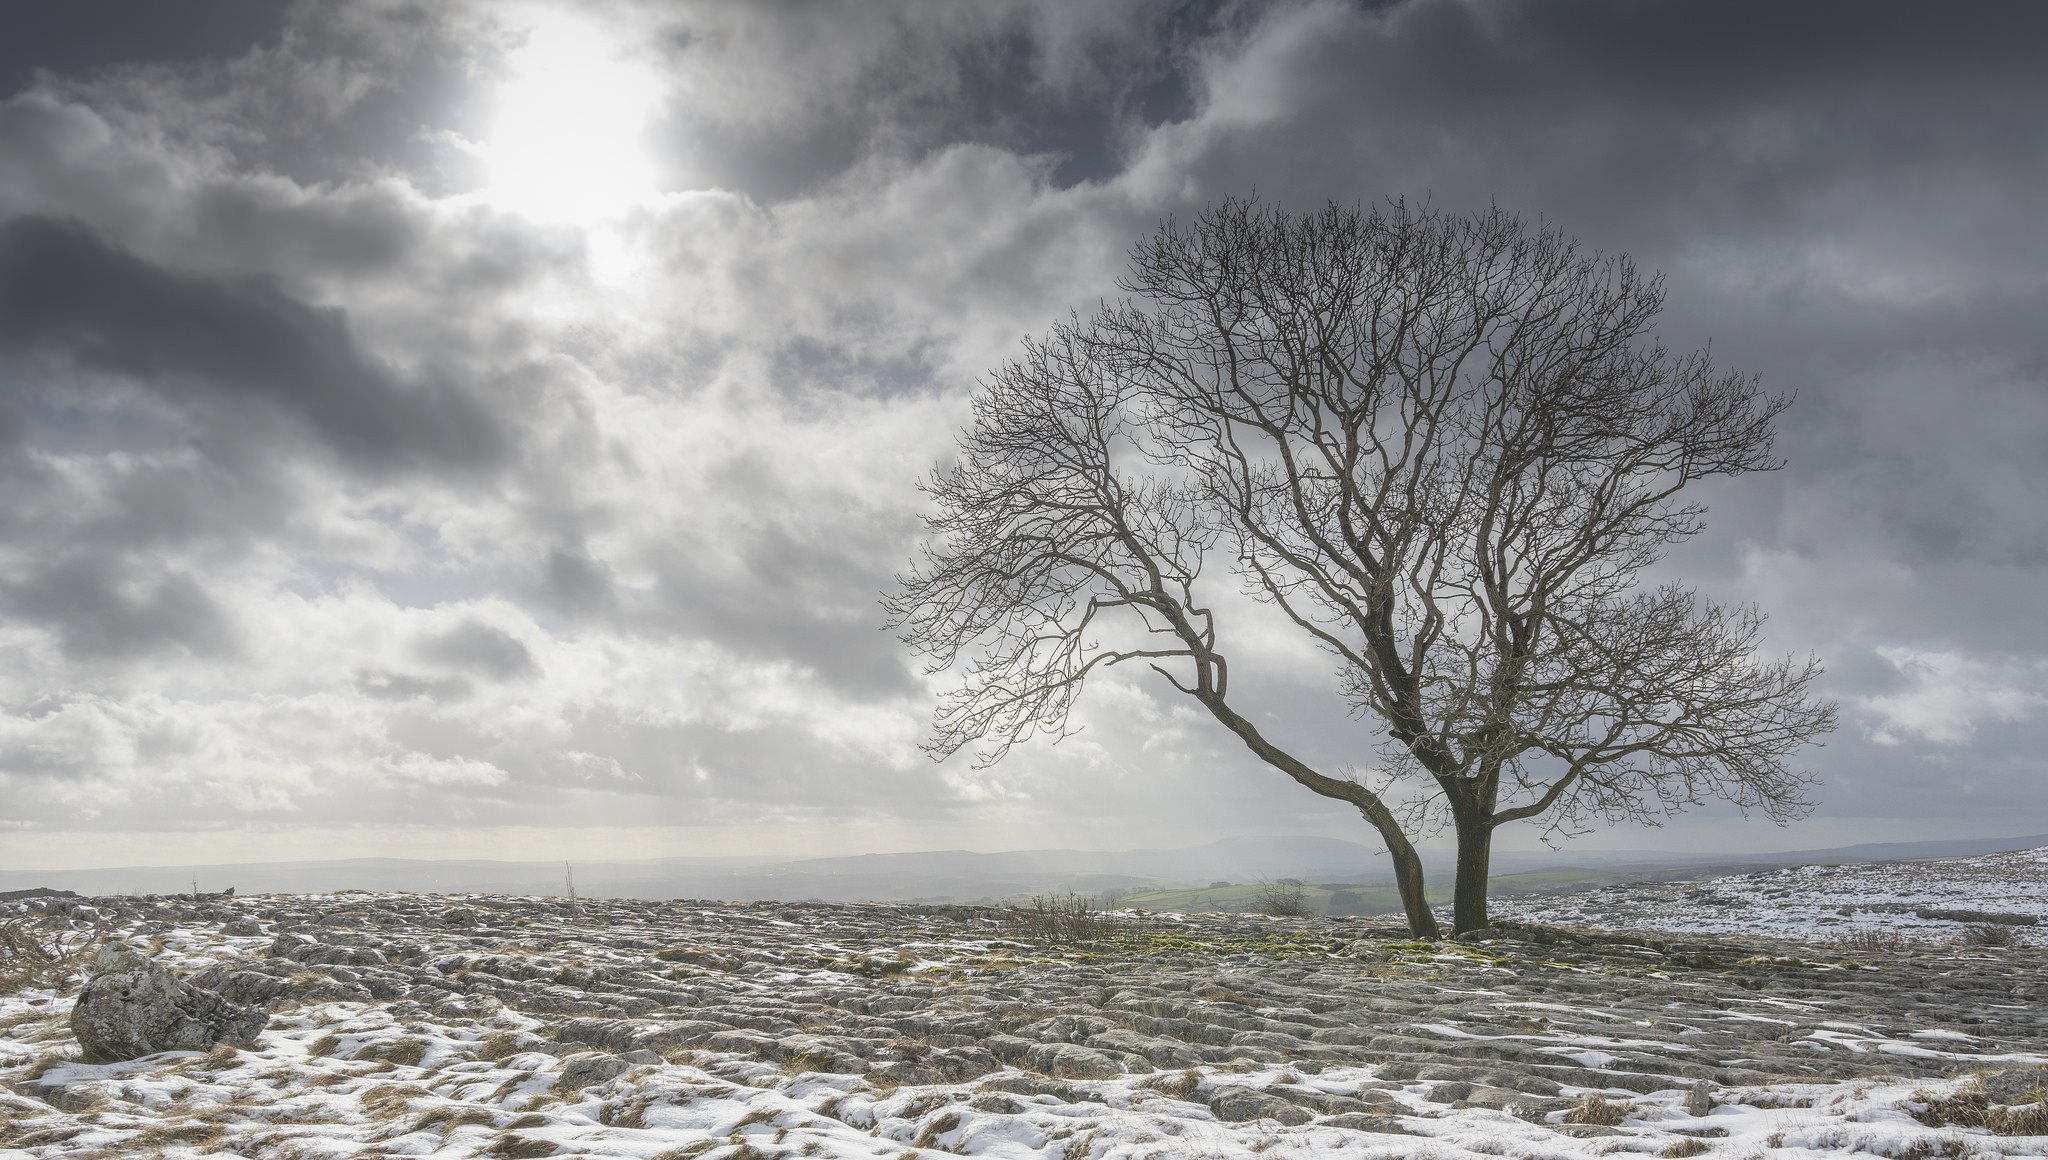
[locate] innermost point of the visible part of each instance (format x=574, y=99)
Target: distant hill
x=936, y=875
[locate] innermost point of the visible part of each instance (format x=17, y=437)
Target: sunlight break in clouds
x=568, y=139
x=488, y=424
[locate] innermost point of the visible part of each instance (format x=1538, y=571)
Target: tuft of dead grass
x=1598, y=1110
x=1970, y=1108
x=450, y=1117
x=1181, y=1085
x=38, y=950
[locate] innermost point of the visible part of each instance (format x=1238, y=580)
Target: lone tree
x=1445, y=447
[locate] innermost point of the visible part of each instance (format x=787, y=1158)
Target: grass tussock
x=39, y=951
x=1989, y=935
x=1874, y=940
x=405, y=1051
x=388, y=1101
x=511, y=1146
x=1969, y=1108
x=1685, y=1146
x=1181, y=1085
x=1597, y=1110
x=500, y=1044
x=449, y=1118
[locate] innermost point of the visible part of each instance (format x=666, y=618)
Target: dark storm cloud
x=78, y=36
x=318, y=93
x=804, y=602
x=858, y=80
x=68, y=293
x=684, y=490
x=476, y=647
x=1655, y=122
x=118, y=609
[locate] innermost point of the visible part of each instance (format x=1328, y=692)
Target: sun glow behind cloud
x=567, y=140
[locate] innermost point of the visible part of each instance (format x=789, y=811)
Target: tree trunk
x=1475, y=859
x=1408, y=878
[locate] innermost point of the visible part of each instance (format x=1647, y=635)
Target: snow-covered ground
x=1985, y=898
x=411, y=1025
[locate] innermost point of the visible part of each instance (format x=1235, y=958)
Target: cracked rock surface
x=959, y=1028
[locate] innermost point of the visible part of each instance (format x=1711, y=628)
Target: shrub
x=1285, y=898
x=39, y=951
x=1057, y=918
x=1987, y=935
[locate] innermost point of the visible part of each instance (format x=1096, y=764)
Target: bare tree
x=1443, y=446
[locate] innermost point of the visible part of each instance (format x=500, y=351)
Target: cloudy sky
x=484, y=429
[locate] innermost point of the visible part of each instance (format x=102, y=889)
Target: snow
x=354, y=1079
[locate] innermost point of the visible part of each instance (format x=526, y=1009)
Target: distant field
x=1337, y=898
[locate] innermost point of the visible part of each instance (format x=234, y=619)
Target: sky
x=486, y=429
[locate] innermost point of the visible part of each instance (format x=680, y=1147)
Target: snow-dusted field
x=1995, y=896
x=420, y=1025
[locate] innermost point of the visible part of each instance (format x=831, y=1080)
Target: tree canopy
x=1445, y=447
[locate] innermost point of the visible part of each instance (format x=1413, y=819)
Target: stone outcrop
x=132, y=1007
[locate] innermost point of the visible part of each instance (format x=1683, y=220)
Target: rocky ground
x=2000, y=898
x=486, y=1026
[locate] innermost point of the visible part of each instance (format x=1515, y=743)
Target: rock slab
x=131, y=1007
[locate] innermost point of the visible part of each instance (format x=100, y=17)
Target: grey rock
x=242, y=928
x=1700, y=1100
x=248, y=988
x=590, y=1068
x=1238, y=1104
x=1365, y=1122
x=1072, y=1061
x=1031, y=1083
x=609, y=1034
x=1156, y=1051
x=131, y=1007
x=287, y=942
x=1488, y=1096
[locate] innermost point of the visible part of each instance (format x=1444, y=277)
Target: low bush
x=1057, y=919
x=38, y=951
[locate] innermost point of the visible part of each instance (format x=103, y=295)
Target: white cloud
x=1949, y=694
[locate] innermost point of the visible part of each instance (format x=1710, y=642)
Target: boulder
x=132, y=1007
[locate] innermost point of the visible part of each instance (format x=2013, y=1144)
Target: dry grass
x=192, y=1134
x=1687, y=1146
x=1181, y=1085
x=1968, y=1108
x=1874, y=940
x=449, y=1118
x=388, y=1101
x=1988, y=935
x=43, y=1063
x=510, y=1146
x=1597, y=1110
x=39, y=951
x=499, y=1044
x=405, y=1051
